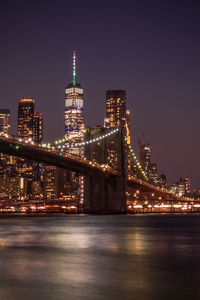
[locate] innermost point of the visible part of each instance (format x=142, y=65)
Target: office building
x=116, y=108
x=26, y=118
x=144, y=156
x=181, y=187
x=153, y=174
x=4, y=121
x=38, y=127
x=6, y=162
x=74, y=123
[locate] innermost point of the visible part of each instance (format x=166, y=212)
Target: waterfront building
x=9, y=186
x=74, y=123
x=4, y=121
x=56, y=182
x=181, y=190
x=50, y=182
x=26, y=118
x=173, y=189
x=181, y=187
x=38, y=127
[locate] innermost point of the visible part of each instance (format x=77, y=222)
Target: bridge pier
x=104, y=194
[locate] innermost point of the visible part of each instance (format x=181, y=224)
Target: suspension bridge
x=107, y=188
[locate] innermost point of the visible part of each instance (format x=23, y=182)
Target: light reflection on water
x=100, y=257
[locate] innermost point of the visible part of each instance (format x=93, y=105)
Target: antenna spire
x=74, y=68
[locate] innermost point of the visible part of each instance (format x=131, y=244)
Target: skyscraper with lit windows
x=74, y=127
x=74, y=123
x=4, y=121
x=38, y=127
x=26, y=118
x=144, y=156
x=116, y=107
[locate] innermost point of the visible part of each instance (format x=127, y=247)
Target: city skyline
x=163, y=64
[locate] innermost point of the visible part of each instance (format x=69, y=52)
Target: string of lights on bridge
x=101, y=138
x=81, y=144
x=137, y=162
x=93, y=140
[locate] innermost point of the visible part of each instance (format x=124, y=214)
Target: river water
x=146, y=257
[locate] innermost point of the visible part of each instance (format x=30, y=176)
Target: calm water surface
x=146, y=257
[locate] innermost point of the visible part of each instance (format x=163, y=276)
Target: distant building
x=187, y=185
x=4, y=121
x=163, y=181
x=74, y=128
x=7, y=162
x=55, y=182
x=26, y=118
x=74, y=123
x=30, y=126
x=181, y=187
x=38, y=127
x=181, y=190
x=116, y=107
x=50, y=182
x=144, y=157
x=153, y=173
x=173, y=189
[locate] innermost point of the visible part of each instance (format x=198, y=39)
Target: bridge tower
x=106, y=193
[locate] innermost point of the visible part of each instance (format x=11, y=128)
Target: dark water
x=100, y=257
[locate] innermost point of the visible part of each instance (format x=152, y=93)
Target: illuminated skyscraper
x=74, y=125
x=26, y=118
x=4, y=121
x=5, y=160
x=144, y=156
x=153, y=173
x=38, y=127
x=29, y=127
x=116, y=107
x=74, y=114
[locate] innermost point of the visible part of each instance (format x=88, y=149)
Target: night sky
x=149, y=48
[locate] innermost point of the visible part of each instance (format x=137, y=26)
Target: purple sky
x=149, y=48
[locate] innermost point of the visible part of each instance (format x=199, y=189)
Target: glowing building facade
x=38, y=127
x=116, y=107
x=115, y=117
x=74, y=126
x=4, y=121
x=26, y=118
x=144, y=156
